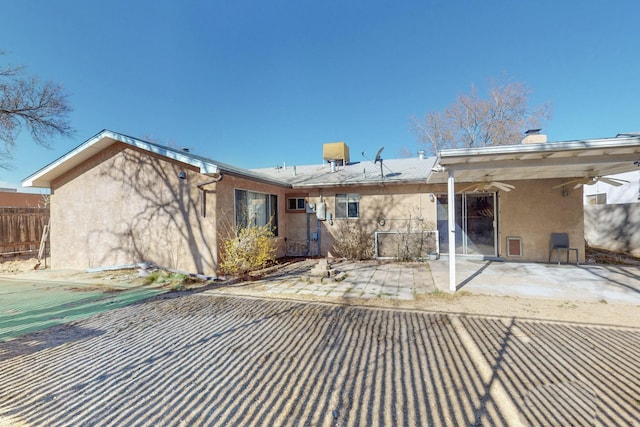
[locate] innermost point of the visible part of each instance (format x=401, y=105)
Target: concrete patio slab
x=610, y=283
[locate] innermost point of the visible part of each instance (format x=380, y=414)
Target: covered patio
x=573, y=163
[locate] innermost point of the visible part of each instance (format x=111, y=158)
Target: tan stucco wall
x=400, y=206
x=614, y=227
x=532, y=211
x=124, y=206
x=225, y=208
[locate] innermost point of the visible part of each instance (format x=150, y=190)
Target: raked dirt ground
x=232, y=356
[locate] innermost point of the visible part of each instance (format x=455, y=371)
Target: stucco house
x=623, y=188
x=118, y=200
x=12, y=198
x=612, y=211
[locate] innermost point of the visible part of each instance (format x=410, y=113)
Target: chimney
x=533, y=136
x=421, y=154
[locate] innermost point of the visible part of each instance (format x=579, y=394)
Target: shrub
x=249, y=249
x=175, y=281
x=353, y=242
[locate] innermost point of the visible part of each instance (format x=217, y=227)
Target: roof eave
x=361, y=183
x=253, y=176
x=105, y=138
x=618, y=142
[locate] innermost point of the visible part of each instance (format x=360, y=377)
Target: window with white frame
x=256, y=209
x=597, y=199
x=347, y=205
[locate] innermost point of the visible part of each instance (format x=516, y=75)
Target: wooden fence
x=21, y=230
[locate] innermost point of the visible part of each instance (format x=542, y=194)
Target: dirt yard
x=232, y=354
x=198, y=359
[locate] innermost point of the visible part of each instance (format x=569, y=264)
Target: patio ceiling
x=574, y=159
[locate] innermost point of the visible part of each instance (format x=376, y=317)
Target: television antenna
x=379, y=159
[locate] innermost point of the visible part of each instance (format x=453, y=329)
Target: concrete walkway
x=406, y=281
x=361, y=279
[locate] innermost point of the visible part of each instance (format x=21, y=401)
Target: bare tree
x=25, y=101
x=472, y=121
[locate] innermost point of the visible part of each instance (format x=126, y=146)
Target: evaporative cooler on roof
x=337, y=152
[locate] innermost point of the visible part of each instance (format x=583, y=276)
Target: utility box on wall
x=310, y=207
x=321, y=211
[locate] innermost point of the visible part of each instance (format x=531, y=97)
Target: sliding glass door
x=475, y=223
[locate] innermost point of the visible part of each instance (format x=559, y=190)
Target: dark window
x=347, y=205
x=296, y=204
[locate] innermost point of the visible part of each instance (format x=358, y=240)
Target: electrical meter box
x=321, y=211
x=310, y=207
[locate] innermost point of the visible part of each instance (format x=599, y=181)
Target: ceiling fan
x=486, y=186
x=577, y=183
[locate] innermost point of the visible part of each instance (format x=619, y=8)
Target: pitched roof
x=394, y=171
x=106, y=138
x=586, y=158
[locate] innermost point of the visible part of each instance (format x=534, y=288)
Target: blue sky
x=256, y=83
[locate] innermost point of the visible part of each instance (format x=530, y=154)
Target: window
x=347, y=205
x=597, y=199
x=296, y=204
x=256, y=210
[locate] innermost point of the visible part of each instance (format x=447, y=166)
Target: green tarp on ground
x=29, y=306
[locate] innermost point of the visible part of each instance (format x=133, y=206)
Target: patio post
x=451, y=217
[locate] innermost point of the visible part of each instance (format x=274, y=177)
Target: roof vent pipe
x=421, y=154
x=333, y=165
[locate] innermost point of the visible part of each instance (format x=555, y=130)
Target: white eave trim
x=591, y=144
x=102, y=140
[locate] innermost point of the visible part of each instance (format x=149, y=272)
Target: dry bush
x=353, y=242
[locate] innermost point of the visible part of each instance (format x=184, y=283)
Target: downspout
x=308, y=234
x=451, y=200
x=203, y=192
x=211, y=181
x=319, y=231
